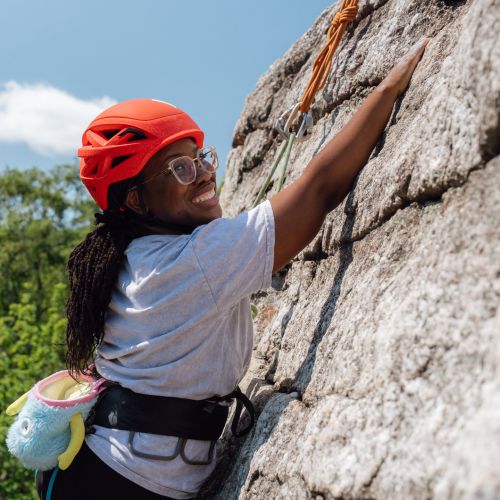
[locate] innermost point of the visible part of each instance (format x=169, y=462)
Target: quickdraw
x=295, y=123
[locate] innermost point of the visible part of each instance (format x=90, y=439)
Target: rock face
x=376, y=359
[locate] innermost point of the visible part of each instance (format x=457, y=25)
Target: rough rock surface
x=376, y=361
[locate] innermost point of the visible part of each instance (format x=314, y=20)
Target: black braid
x=93, y=268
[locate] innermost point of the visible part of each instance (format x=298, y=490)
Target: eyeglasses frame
x=169, y=170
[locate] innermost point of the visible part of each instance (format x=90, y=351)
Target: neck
x=151, y=225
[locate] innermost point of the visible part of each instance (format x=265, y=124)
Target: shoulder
x=251, y=221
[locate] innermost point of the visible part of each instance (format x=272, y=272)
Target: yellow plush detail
x=75, y=443
x=16, y=406
x=66, y=388
x=78, y=390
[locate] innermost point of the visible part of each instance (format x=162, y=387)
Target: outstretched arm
x=300, y=209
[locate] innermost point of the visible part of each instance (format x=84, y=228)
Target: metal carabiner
x=294, y=121
x=306, y=123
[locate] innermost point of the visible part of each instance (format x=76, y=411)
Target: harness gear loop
x=241, y=401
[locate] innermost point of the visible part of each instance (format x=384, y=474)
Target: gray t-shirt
x=179, y=324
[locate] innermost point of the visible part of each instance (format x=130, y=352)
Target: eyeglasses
x=183, y=168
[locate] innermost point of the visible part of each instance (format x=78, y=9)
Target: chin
x=214, y=214
x=208, y=216
x=219, y=212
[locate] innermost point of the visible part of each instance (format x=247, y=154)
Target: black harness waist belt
x=121, y=408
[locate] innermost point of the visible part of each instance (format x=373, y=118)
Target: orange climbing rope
x=323, y=63
x=295, y=122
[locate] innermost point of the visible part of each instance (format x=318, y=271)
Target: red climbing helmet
x=120, y=141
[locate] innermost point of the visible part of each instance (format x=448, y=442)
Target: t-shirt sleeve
x=236, y=255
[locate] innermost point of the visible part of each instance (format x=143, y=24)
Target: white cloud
x=49, y=120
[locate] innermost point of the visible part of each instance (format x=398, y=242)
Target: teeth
x=204, y=197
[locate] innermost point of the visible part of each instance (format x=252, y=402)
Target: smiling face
x=167, y=199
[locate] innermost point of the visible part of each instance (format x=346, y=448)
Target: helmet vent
x=137, y=135
x=119, y=159
x=110, y=133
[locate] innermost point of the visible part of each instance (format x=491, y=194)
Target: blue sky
x=61, y=62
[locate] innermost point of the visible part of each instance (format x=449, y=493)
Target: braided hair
x=93, y=268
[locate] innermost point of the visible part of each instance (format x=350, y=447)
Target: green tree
x=43, y=216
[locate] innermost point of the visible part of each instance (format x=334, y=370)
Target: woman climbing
x=159, y=290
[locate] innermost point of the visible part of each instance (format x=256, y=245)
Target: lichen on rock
x=375, y=365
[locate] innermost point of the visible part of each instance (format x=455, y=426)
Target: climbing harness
x=295, y=123
x=121, y=408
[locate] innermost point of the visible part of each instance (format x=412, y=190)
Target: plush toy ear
x=75, y=443
x=16, y=406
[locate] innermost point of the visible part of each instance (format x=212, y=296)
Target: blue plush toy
x=50, y=429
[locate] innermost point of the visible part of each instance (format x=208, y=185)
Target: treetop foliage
x=43, y=216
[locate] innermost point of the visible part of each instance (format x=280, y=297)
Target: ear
x=133, y=201
x=16, y=406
